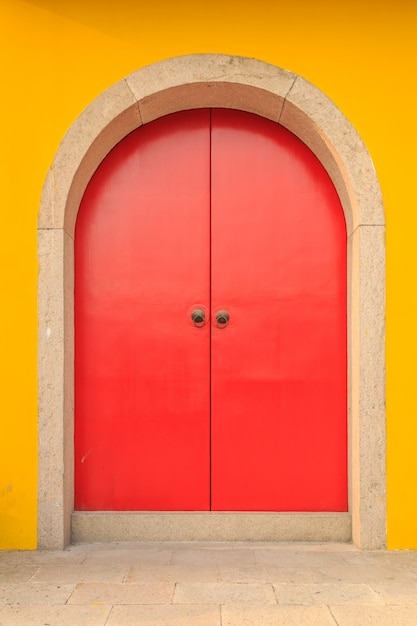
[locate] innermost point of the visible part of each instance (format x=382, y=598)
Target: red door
x=142, y=402
x=214, y=211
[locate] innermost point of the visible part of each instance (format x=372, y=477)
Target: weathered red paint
x=219, y=210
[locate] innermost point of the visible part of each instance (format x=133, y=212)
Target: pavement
x=208, y=584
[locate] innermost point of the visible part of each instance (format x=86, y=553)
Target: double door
x=210, y=322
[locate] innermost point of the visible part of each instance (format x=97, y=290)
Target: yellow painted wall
x=58, y=55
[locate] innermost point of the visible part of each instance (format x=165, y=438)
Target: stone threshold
x=107, y=526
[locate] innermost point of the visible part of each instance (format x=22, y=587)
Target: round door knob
x=222, y=318
x=199, y=317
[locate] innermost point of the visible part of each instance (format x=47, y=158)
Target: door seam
x=210, y=305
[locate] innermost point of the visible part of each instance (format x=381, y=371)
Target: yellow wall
x=58, y=55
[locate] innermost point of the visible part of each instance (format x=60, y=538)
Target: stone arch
x=191, y=82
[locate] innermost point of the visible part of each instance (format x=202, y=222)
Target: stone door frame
x=190, y=82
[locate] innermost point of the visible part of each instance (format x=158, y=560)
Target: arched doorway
x=177, y=408
x=228, y=82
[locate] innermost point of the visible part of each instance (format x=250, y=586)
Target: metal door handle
x=222, y=318
x=199, y=317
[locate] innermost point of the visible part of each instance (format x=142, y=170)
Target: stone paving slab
x=277, y=616
x=243, y=574
x=173, y=573
x=15, y=573
x=72, y=554
x=130, y=555
x=371, y=573
x=208, y=585
x=374, y=615
x=35, y=593
x=214, y=556
x=398, y=559
x=224, y=593
x=65, y=615
x=73, y=573
x=313, y=594
x=275, y=574
x=161, y=615
x=116, y=593
x=297, y=558
x=398, y=594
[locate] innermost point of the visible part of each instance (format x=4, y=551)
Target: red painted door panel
x=142, y=429
x=218, y=210
x=279, y=366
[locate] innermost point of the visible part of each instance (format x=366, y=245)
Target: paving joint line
x=331, y=613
